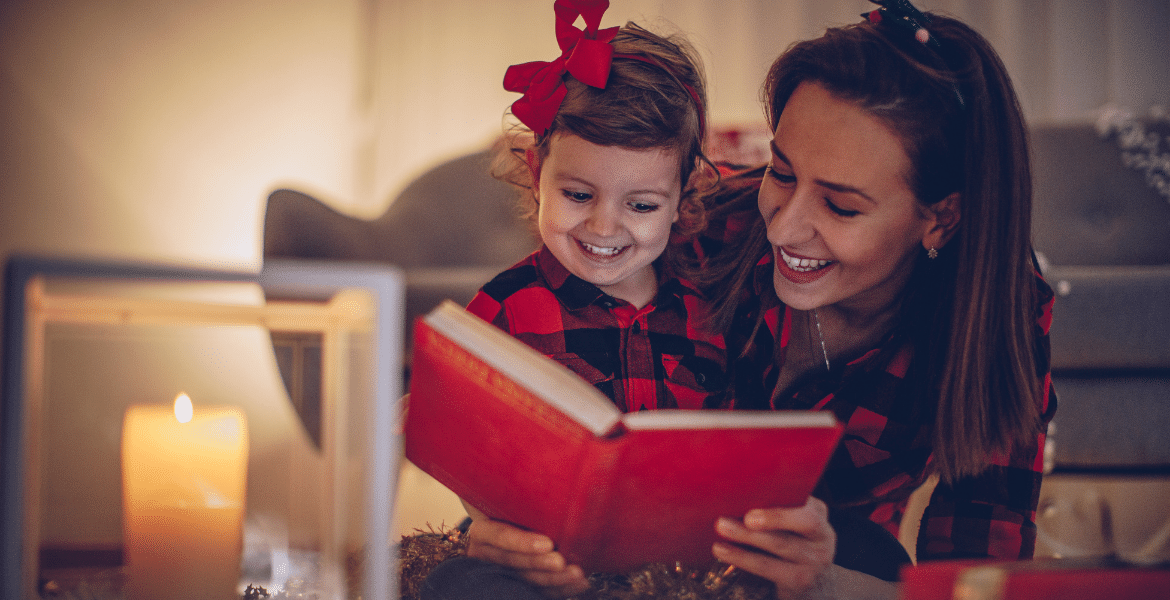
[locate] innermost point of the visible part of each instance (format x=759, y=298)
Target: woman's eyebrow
x=836, y=187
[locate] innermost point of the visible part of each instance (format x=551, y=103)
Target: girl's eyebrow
x=587, y=183
x=837, y=187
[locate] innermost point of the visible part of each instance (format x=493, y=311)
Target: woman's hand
x=529, y=553
x=792, y=547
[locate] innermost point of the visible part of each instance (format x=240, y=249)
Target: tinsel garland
x=420, y=553
x=1142, y=149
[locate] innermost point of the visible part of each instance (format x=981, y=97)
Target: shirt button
x=701, y=378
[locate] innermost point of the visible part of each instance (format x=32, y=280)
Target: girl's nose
x=604, y=219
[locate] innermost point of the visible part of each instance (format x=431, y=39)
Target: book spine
x=588, y=519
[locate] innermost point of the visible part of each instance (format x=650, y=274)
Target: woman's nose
x=792, y=219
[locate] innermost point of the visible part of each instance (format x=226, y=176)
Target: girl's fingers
x=508, y=537
x=522, y=561
x=566, y=582
x=531, y=554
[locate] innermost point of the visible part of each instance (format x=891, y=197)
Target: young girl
x=609, y=160
x=607, y=164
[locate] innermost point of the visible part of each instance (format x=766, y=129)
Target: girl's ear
x=943, y=217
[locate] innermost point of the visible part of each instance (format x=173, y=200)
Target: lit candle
x=183, y=475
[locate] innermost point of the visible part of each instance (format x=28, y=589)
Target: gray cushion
x=1110, y=317
x=1089, y=208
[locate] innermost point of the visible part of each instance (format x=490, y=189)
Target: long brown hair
x=968, y=313
x=643, y=105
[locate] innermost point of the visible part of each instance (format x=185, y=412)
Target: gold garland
x=420, y=553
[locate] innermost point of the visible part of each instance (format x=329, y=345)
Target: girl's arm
x=529, y=553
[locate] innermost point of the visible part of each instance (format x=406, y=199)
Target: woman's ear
x=943, y=217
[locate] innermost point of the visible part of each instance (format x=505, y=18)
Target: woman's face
x=605, y=212
x=843, y=222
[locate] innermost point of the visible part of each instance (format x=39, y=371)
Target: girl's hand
x=529, y=553
x=792, y=547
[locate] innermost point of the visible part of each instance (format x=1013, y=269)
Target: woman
x=893, y=268
x=896, y=237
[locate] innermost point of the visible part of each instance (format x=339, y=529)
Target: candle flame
x=183, y=409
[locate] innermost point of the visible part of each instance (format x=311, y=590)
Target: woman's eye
x=643, y=207
x=783, y=178
x=840, y=211
x=580, y=197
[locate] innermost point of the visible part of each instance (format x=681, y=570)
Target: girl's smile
x=600, y=252
x=606, y=212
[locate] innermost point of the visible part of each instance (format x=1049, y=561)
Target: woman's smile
x=837, y=216
x=800, y=270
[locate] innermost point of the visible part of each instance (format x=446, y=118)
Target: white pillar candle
x=184, y=472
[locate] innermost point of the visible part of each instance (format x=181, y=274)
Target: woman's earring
x=932, y=253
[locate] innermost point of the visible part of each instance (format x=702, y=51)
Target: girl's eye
x=840, y=211
x=580, y=197
x=782, y=178
x=643, y=207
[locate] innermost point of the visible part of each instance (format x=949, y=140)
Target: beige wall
x=157, y=130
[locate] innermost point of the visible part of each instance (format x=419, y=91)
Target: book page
x=725, y=419
x=541, y=375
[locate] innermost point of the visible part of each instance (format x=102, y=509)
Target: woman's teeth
x=599, y=250
x=803, y=265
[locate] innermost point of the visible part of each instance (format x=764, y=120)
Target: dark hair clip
x=902, y=17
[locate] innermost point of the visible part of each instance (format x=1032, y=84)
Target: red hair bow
x=585, y=55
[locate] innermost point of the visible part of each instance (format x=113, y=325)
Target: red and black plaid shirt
x=643, y=359
x=885, y=451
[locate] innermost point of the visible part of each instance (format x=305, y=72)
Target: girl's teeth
x=600, y=250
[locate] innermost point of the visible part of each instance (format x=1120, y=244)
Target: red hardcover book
x=523, y=439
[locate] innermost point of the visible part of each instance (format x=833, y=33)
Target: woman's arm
x=794, y=548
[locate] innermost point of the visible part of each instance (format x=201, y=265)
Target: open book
x=523, y=439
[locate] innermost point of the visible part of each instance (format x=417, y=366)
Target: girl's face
x=843, y=222
x=606, y=211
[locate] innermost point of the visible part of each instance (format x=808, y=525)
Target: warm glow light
x=183, y=409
